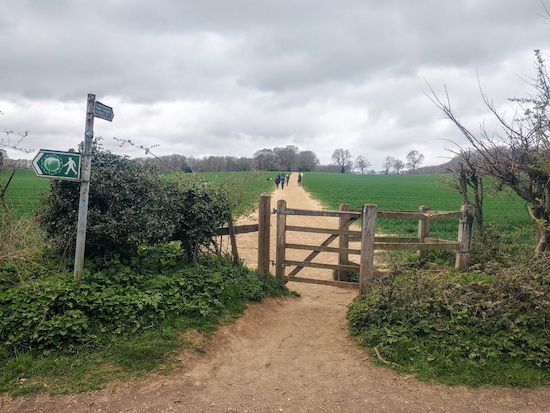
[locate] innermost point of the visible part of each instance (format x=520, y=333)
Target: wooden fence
x=369, y=241
x=366, y=235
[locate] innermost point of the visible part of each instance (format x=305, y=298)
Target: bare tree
x=414, y=159
x=287, y=157
x=307, y=161
x=398, y=165
x=387, y=165
x=362, y=163
x=342, y=158
x=266, y=160
x=517, y=155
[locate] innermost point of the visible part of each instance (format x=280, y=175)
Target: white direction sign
x=57, y=165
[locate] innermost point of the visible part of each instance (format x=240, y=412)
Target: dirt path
x=291, y=355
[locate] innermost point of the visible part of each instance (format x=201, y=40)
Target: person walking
x=299, y=179
x=278, y=180
x=283, y=181
x=287, y=180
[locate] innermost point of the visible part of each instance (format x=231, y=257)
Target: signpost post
x=93, y=109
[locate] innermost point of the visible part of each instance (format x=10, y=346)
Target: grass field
x=23, y=194
x=408, y=192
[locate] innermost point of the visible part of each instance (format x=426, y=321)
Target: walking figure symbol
x=71, y=164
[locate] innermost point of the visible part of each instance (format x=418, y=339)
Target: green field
x=24, y=191
x=409, y=192
x=23, y=194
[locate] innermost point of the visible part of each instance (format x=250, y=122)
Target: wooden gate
x=369, y=242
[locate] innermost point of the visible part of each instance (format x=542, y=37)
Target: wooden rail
x=369, y=241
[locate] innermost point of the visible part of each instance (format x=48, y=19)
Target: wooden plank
x=264, y=232
x=443, y=215
x=313, y=213
x=337, y=250
x=280, y=253
x=323, y=230
x=396, y=240
x=310, y=264
x=327, y=242
x=414, y=215
x=241, y=229
x=439, y=241
x=343, y=244
x=389, y=246
x=366, y=266
x=342, y=284
x=233, y=239
x=465, y=232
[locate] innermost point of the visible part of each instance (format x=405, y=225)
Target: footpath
x=287, y=355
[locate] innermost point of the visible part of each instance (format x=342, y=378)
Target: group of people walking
x=281, y=179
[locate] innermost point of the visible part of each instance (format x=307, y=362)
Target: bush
x=131, y=205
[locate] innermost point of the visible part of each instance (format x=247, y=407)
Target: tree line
x=289, y=158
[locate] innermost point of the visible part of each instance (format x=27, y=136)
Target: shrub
x=130, y=205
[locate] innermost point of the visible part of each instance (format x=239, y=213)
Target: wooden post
x=368, y=230
x=264, y=228
x=84, y=189
x=343, y=242
x=233, y=239
x=423, y=230
x=280, y=254
x=465, y=233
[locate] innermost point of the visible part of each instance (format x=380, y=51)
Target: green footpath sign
x=57, y=165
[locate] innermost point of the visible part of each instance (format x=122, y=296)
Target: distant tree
x=343, y=158
x=398, y=165
x=307, y=161
x=362, y=163
x=265, y=159
x=287, y=157
x=414, y=159
x=387, y=165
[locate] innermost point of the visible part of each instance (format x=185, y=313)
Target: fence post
x=423, y=230
x=465, y=232
x=368, y=230
x=343, y=242
x=280, y=253
x=264, y=228
x=233, y=238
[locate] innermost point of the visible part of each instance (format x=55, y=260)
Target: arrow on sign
x=57, y=165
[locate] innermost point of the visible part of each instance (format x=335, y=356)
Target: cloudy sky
x=230, y=77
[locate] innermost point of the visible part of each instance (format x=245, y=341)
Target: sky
x=231, y=77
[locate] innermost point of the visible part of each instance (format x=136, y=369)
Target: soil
x=287, y=355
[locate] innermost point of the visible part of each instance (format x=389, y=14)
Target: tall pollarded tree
x=342, y=158
x=517, y=155
x=414, y=159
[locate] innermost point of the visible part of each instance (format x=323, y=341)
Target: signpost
x=93, y=109
x=57, y=165
x=103, y=111
x=67, y=166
